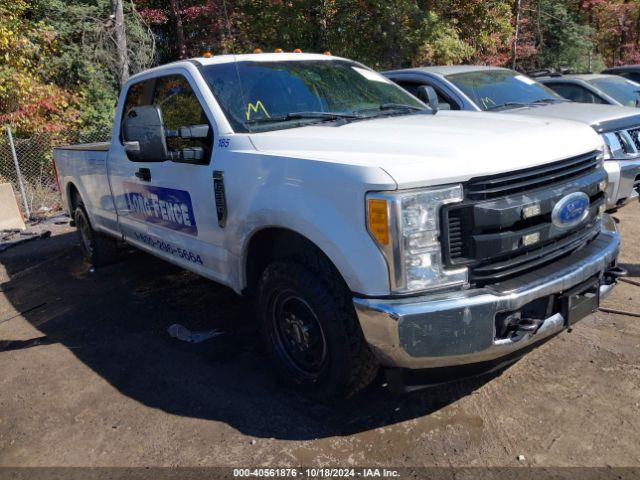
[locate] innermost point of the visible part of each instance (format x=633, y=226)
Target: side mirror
x=144, y=135
x=429, y=96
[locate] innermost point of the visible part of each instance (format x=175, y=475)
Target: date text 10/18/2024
x=316, y=473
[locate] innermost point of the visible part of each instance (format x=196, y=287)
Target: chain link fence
x=27, y=164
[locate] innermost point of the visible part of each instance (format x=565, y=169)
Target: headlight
x=406, y=227
x=618, y=145
x=605, y=150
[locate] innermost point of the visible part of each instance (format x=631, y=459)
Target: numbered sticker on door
x=161, y=206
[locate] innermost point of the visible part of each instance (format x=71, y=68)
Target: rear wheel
x=312, y=332
x=98, y=249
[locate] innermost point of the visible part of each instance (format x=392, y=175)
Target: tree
x=554, y=37
x=122, y=55
x=27, y=102
x=95, y=50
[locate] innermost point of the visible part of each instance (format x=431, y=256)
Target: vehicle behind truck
x=492, y=89
x=371, y=232
x=594, y=88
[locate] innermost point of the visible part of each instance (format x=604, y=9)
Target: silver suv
x=482, y=88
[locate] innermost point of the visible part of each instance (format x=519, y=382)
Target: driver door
x=167, y=207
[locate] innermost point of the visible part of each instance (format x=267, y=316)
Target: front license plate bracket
x=580, y=302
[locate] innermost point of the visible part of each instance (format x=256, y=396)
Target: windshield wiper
x=507, y=105
x=541, y=101
x=549, y=100
x=400, y=106
x=392, y=106
x=305, y=116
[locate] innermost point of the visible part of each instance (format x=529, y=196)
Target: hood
x=600, y=117
x=421, y=150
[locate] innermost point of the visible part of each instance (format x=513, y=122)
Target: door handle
x=144, y=174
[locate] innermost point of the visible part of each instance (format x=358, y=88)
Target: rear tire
x=312, y=332
x=98, y=249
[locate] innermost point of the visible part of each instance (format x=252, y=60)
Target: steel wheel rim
x=298, y=334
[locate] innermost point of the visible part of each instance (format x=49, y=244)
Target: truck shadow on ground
x=115, y=320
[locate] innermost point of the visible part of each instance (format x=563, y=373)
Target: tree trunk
x=182, y=45
x=122, y=56
x=514, y=51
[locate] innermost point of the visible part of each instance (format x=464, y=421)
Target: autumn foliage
x=57, y=73
x=26, y=101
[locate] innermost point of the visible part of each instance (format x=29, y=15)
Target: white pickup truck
x=371, y=231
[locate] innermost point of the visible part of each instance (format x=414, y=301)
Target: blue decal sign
x=161, y=206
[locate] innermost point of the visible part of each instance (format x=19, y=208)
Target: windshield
x=502, y=89
x=623, y=90
x=258, y=96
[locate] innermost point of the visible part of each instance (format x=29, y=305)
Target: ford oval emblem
x=571, y=210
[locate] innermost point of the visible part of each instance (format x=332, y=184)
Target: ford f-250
x=480, y=88
x=371, y=231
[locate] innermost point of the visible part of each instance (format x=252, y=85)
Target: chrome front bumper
x=458, y=328
x=621, y=181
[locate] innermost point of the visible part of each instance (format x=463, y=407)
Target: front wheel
x=312, y=332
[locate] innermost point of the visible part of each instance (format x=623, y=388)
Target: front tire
x=98, y=249
x=312, y=332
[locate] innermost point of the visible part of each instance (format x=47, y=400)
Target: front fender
x=321, y=201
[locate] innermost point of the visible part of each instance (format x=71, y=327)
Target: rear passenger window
x=180, y=107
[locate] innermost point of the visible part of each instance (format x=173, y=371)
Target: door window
x=575, y=93
x=180, y=107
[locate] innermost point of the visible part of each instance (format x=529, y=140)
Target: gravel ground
x=89, y=377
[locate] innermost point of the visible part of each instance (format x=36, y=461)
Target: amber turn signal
x=378, y=220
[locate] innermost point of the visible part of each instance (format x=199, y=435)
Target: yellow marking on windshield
x=487, y=102
x=255, y=108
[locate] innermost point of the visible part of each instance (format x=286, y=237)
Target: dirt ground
x=90, y=377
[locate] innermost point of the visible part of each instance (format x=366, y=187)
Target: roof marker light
x=278, y=50
x=207, y=54
x=327, y=53
x=257, y=50
x=297, y=50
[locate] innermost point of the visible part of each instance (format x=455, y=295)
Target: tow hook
x=527, y=325
x=613, y=274
x=515, y=323
x=530, y=325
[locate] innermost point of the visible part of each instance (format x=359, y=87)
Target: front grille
x=484, y=188
x=521, y=262
x=503, y=228
x=635, y=136
x=456, y=242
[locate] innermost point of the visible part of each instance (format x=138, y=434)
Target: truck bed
x=85, y=166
